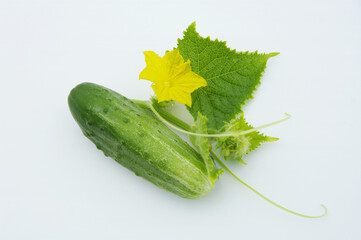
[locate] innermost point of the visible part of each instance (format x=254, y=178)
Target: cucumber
x=137, y=140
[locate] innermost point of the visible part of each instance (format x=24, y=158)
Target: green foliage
x=231, y=76
x=236, y=146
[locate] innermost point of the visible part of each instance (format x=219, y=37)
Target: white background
x=54, y=184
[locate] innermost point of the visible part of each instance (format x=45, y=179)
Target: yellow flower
x=172, y=78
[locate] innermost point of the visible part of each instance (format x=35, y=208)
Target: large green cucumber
x=139, y=141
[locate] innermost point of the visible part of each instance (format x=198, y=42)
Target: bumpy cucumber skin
x=137, y=140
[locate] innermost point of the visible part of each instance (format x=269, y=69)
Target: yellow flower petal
x=189, y=81
x=172, y=77
x=182, y=96
x=181, y=69
x=172, y=60
x=161, y=92
x=154, y=67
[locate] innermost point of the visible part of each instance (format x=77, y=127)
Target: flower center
x=167, y=84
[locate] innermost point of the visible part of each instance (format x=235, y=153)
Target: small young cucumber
x=139, y=141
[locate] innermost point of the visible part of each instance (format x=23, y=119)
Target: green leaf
x=231, y=76
x=203, y=146
x=236, y=147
